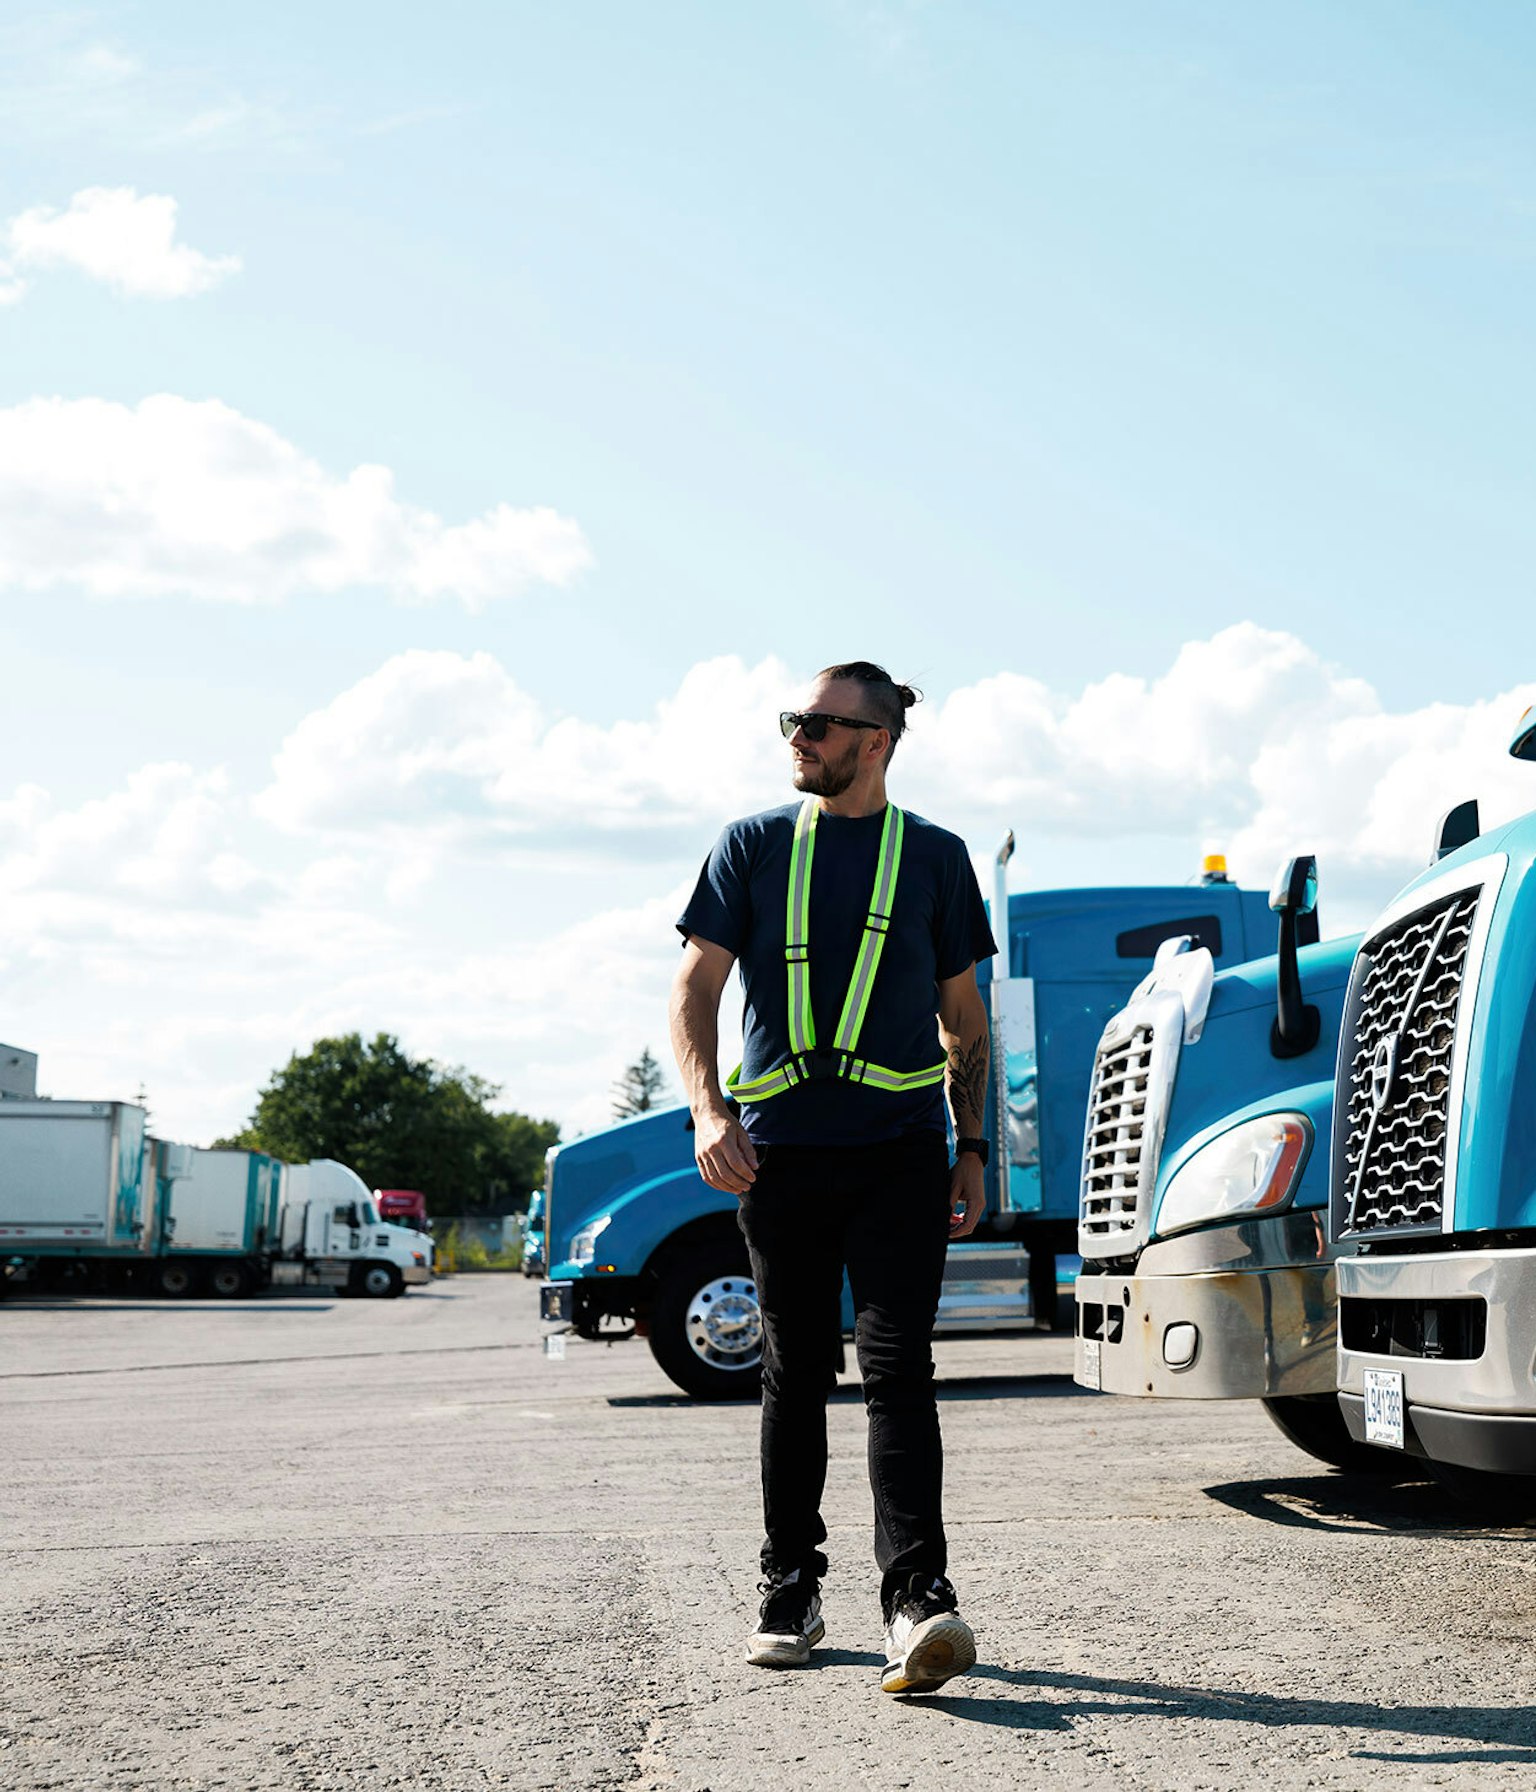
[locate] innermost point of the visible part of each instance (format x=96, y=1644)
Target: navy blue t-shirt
x=938, y=928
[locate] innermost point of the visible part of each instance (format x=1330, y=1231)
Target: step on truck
x=1434, y=1167
x=1207, y=1271
x=638, y=1244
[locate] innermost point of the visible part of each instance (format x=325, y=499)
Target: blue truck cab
x=1207, y=1272
x=1434, y=1166
x=637, y=1243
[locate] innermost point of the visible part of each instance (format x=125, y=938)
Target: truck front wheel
x=1314, y=1423
x=381, y=1281
x=706, y=1327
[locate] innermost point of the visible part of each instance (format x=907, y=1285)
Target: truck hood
x=592, y=1174
x=1229, y=1074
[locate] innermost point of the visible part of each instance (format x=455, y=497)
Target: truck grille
x=1113, y=1146
x=1398, y=1085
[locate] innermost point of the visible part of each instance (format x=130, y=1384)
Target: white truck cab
x=332, y=1236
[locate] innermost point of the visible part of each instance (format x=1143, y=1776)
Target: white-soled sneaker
x=926, y=1640
x=790, y=1623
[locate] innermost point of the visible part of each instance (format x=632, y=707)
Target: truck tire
x=706, y=1328
x=380, y=1281
x=1314, y=1423
x=1498, y=1499
x=229, y=1281
x=176, y=1278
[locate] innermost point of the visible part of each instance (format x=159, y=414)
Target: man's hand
x=967, y=1195
x=723, y=1152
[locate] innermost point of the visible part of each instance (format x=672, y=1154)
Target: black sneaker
x=790, y=1623
x=926, y=1640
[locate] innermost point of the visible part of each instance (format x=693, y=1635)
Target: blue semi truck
x=1348, y=1232
x=637, y=1243
x=1207, y=1269
x=1434, y=1166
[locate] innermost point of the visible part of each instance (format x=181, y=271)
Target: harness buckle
x=825, y=1064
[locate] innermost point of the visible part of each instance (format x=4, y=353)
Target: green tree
x=400, y=1122
x=640, y=1087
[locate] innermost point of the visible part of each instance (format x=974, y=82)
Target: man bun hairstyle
x=886, y=702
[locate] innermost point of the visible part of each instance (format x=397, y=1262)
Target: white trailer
x=78, y=1181
x=222, y=1227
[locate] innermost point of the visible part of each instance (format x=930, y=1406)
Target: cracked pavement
x=312, y=1543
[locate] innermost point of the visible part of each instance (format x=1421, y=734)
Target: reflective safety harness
x=808, y=1062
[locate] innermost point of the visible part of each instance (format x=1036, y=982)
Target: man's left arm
x=967, y=1049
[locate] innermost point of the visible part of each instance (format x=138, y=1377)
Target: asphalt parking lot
x=305, y=1542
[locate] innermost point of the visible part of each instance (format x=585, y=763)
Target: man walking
x=857, y=928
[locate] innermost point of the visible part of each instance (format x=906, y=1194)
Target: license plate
x=1093, y=1374
x=1384, y=1407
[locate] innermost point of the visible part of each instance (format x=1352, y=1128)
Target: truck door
x=346, y=1234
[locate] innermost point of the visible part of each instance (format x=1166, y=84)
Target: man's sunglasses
x=813, y=724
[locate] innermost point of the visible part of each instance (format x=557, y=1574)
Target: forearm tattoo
x=967, y=1079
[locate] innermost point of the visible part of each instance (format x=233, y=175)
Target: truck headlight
x=1253, y=1168
x=584, y=1241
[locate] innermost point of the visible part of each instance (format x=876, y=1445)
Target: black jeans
x=883, y=1211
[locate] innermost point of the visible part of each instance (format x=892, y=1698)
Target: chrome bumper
x=1228, y=1335
x=1480, y=1412
x=417, y=1274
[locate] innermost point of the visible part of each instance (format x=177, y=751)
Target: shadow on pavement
x=166, y=1304
x=1503, y=1733
x=1343, y=1502
x=952, y=1387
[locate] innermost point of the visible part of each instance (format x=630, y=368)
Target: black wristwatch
x=980, y=1146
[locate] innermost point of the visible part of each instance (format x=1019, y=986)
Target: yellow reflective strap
x=872, y=942
x=761, y=1088
x=898, y=1082
x=797, y=956
x=797, y=931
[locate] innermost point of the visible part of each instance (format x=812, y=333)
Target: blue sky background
x=980, y=338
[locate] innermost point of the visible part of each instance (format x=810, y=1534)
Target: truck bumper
x=1213, y=1335
x=1475, y=1410
x=417, y=1275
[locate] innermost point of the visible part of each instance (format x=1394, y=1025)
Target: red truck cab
x=403, y=1207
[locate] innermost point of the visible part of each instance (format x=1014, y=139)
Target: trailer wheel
x=706, y=1326
x=229, y=1281
x=1314, y=1423
x=380, y=1281
x=176, y=1279
x=1500, y=1499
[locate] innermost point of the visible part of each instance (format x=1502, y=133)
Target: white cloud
x=117, y=236
x=443, y=740
x=177, y=931
x=1250, y=740
x=190, y=497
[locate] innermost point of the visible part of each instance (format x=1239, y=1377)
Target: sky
x=434, y=444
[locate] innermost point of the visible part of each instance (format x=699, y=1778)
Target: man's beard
x=828, y=777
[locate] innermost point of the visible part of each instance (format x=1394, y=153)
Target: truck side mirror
x=1523, y=746
x=1297, y=1024
x=1458, y=827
